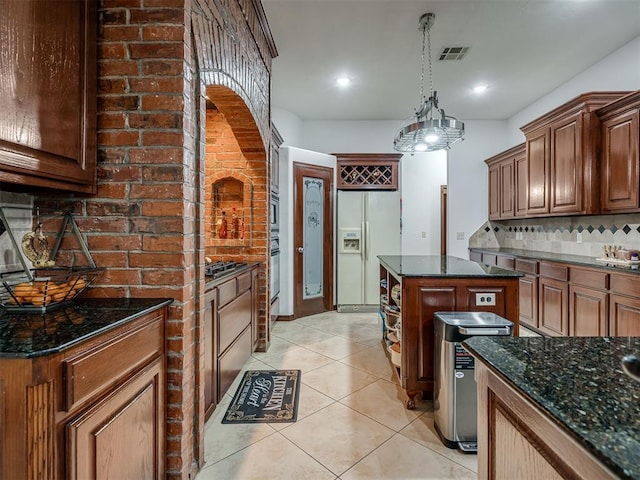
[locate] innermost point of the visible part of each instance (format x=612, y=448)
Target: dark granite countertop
x=579, y=260
x=579, y=383
x=440, y=266
x=28, y=335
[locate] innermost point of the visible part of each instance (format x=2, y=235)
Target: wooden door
x=553, y=316
x=588, y=312
x=528, y=300
x=494, y=191
x=624, y=316
x=121, y=436
x=566, y=166
x=538, y=172
x=621, y=163
x=312, y=239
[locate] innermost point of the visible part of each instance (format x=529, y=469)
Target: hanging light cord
x=426, y=45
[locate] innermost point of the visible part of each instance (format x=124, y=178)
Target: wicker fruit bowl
x=50, y=288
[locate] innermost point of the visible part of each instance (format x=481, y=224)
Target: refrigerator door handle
x=367, y=241
x=363, y=240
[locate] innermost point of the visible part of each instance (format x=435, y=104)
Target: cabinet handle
x=300, y=249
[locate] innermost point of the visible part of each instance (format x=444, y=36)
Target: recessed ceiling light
x=343, y=81
x=480, y=88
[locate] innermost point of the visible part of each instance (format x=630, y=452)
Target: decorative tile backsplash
x=584, y=235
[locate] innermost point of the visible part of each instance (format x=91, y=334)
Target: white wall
x=289, y=126
x=421, y=177
x=344, y=136
x=466, y=170
x=289, y=155
x=618, y=71
x=467, y=175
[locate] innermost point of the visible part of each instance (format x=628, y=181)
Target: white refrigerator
x=368, y=226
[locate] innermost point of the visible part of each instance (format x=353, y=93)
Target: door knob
x=300, y=249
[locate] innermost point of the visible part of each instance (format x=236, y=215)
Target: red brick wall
x=146, y=223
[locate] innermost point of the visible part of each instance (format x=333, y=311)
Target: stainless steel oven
x=275, y=267
x=274, y=213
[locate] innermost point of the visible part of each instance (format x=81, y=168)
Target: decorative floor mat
x=267, y=396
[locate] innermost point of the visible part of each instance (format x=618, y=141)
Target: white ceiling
x=522, y=49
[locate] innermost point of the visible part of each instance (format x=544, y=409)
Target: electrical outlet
x=459, y=235
x=519, y=235
x=579, y=237
x=424, y=234
x=485, y=299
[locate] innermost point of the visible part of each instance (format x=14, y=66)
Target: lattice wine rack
x=367, y=171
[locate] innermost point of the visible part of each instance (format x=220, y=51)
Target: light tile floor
x=352, y=423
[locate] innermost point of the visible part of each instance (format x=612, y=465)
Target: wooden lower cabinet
x=588, y=312
x=421, y=298
x=95, y=410
x=210, y=353
x=528, y=300
x=553, y=306
x=516, y=440
x=231, y=332
x=121, y=436
x=624, y=316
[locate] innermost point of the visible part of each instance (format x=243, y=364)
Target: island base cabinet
x=517, y=440
x=121, y=436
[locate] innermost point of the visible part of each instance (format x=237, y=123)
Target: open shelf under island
x=428, y=284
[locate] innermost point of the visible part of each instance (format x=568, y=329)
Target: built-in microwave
x=274, y=212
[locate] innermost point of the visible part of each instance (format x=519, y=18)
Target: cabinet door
x=494, y=191
x=587, y=312
x=48, y=95
x=624, y=316
x=553, y=312
x=520, y=167
x=210, y=355
x=620, y=163
x=418, y=333
x=121, y=436
x=538, y=172
x=566, y=166
x=507, y=182
x=255, y=310
x=528, y=300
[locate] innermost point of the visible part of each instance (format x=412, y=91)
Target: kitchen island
x=82, y=391
x=415, y=287
x=556, y=408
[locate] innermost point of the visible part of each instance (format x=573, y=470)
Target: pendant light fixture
x=430, y=129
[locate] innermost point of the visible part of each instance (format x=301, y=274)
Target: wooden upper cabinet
x=48, y=84
x=562, y=155
x=504, y=184
x=521, y=183
x=368, y=171
x=620, y=191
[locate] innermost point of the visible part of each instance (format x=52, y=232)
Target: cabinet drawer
x=226, y=292
x=506, y=262
x=489, y=258
x=232, y=319
x=244, y=282
x=589, y=278
x=232, y=361
x=94, y=371
x=527, y=266
x=554, y=270
x=625, y=284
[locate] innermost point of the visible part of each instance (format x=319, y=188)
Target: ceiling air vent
x=453, y=53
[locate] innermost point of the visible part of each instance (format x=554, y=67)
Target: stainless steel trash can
x=455, y=395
